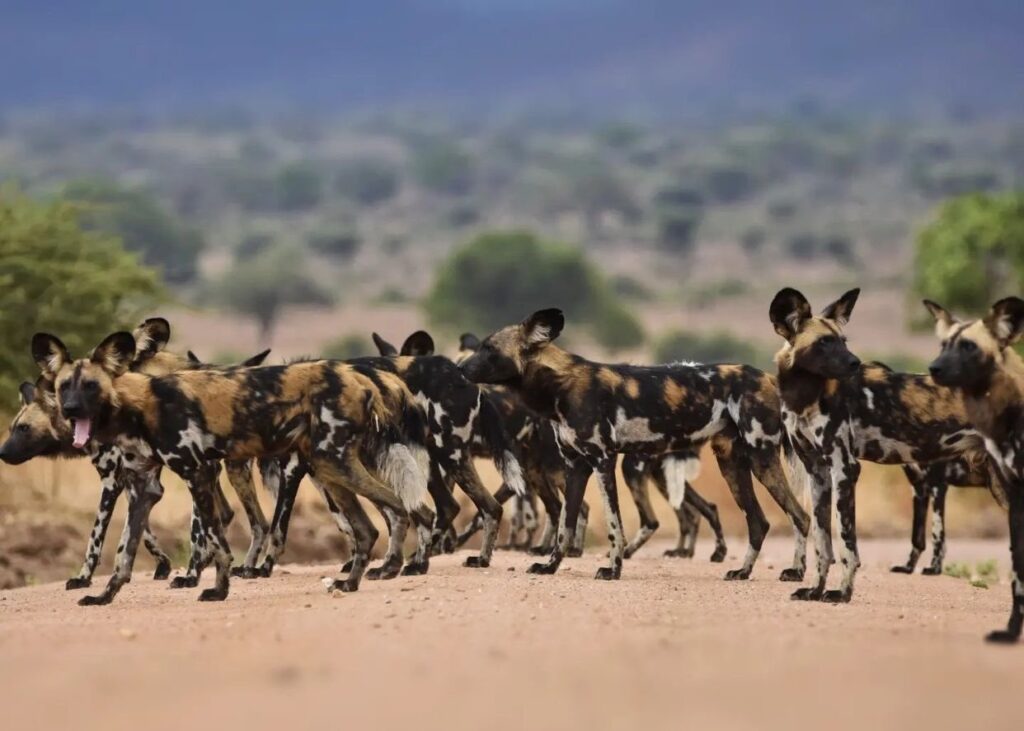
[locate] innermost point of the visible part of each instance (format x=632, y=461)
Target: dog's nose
x=72, y=409
x=935, y=370
x=853, y=363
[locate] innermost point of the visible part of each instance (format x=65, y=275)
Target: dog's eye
x=90, y=385
x=826, y=341
x=968, y=346
x=22, y=428
x=64, y=387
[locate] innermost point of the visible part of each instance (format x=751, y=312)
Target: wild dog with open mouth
x=38, y=431
x=354, y=435
x=978, y=361
x=838, y=410
x=602, y=410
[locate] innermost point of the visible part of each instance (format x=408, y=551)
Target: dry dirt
x=669, y=646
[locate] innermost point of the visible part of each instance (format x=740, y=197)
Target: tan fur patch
x=932, y=404
x=632, y=387
x=675, y=394
x=609, y=378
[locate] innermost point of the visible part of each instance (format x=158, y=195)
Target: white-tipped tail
x=678, y=472
x=402, y=471
x=512, y=474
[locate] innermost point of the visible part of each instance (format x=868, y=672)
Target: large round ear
x=115, y=353
x=383, y=346
x=944, y=321
x=255, y=360
x=151, y=337
x=49, y=353
x=1006, y=320
x=419, y=343
x=543, y=326
x=789, y=309
x=842, y=308
x=27, y=393
x=469, y=341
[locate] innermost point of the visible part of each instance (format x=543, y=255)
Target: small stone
x=128, y=634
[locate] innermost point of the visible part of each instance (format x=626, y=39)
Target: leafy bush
x=752, y=239
x=500, y=277
x=142, y=225
x=811, y=245
x=339, y=244
x=678, y=210
x=367, y=181
x=973, y=252
x=719, y=347
x=253, y=244
x=947, y=179
x=348, y=346
x=298, y=187
x=55, y=277
x=444, y=167
x=728, y=182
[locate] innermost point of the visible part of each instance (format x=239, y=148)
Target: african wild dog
x=335, y=416
x=538, y=453
x=838, y=410
x=602, y=410
x=979, y=363
x=38, y=430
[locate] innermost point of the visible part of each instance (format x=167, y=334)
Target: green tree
x=500, y=277
x=444, y=167
x=55, y=277
x=298, y=187
x=143, y=226
x=367, y=181
x=260, y=286
x=973, y=252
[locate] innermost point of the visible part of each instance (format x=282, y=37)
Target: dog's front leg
x=609, y=493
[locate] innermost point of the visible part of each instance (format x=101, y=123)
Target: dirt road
x=671, y=646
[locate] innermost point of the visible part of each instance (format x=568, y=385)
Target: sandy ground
x=669, y=646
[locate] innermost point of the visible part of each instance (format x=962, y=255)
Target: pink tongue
x=83, y=428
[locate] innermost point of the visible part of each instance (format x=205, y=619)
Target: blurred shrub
x=298, y=187
x=812, y=245
x=55, y=277
x=705, y=294
x=260, y=286
x=251, y=188
x=341, y=243
x=253, y=244
x=444, y=167
x=367, y=181
x=973, y=252
x=631, y=288
x=946, y=179
x=728, y=182
x=142, y=225
x=782, y=209
x=462, y=215
x=752, y=239
x=620, y=135
x=678, y=210
x=348, y=346
x=500, y=277
x=718, y=347
x=595, y=188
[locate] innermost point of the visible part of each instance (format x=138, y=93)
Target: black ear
x=419, y=343
x=115, y=353
x=383, y=346
x=469, y=341
x=543, y=326
x=842, y=308
x=944, y=321
x=151, y=337
x=49, y=353
x=256, y=359
x=27, y=393
x=1006, y=320
x=788, y=310
x=193, y=359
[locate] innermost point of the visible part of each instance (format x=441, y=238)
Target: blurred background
x=296, y=176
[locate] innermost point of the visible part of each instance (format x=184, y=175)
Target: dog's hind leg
x=441, y=485
x=735, y=467
x=466, y=476
x=918, y=478
x=768, y=469
x=283, y=478
x=575, y=476
x=634, y=473
x=240, y=477
x=938, y=494
x=698, y=507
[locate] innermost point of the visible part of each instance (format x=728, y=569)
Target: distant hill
x=666, y=54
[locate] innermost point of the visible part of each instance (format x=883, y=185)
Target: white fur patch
x=678, y=472
x=402, y=472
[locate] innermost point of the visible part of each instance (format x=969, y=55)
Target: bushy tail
x=504, y=450
x=402, y=459
x=799, y=479
x=680, y=470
